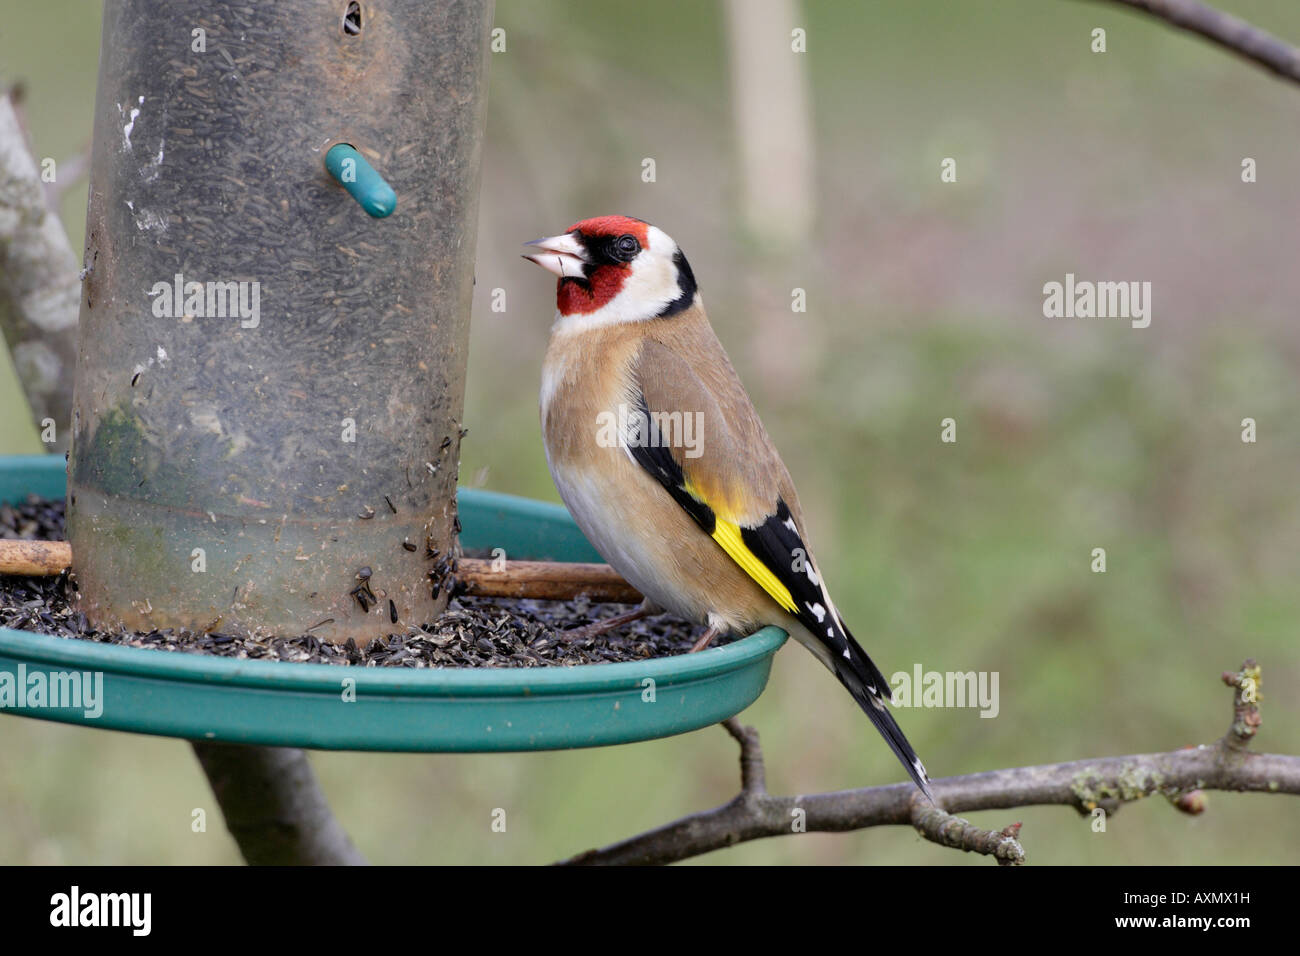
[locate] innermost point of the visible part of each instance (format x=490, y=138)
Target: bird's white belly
x=608, y=518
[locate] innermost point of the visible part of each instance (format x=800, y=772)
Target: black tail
x=870, y=689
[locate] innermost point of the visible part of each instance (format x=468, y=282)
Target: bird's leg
x=597, y=628
x=705, y=640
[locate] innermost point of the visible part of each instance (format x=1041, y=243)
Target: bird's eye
x=626, y=247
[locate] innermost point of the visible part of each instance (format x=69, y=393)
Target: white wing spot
x=789, y=523
x=818, y=610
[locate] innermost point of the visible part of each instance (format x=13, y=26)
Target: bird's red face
x=616, y=268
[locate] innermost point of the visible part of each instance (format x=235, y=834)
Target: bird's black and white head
x=615, y=269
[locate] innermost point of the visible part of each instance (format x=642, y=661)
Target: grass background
x=924, y=302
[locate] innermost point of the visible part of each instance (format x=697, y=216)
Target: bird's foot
x=705, y=640
x=605, y=625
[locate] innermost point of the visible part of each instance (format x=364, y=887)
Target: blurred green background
x=924, y=302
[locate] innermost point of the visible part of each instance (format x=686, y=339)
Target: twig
x=540, y=580
x=1229, y=32
x=1245, y=705
x=939, y=826
x=274, y=807
x=1108, y=782
x=753, y=776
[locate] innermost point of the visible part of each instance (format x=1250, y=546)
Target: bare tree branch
x=1229, y=32
x=753, y=777
x=274, y=807
x=1108, y=782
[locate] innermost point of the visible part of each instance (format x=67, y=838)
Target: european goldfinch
x=663, y=462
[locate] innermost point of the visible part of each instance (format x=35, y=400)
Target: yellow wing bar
x=727, y=534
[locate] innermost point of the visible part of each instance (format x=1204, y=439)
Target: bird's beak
x=563, y=255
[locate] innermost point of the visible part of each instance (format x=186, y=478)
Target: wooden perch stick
x=34, y=558
x=540, y=580
x=544, y=580
x=1086, y=785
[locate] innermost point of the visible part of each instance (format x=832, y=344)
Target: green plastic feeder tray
x=275, y=703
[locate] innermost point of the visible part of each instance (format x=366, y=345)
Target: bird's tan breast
x=583, y=376
x=625, y=513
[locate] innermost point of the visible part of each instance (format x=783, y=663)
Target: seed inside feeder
x=474, y=632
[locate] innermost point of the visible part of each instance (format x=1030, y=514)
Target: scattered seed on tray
x=473, y=632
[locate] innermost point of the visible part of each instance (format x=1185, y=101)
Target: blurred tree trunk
x=773, y=117
x=39, y=286
x=775, y=154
